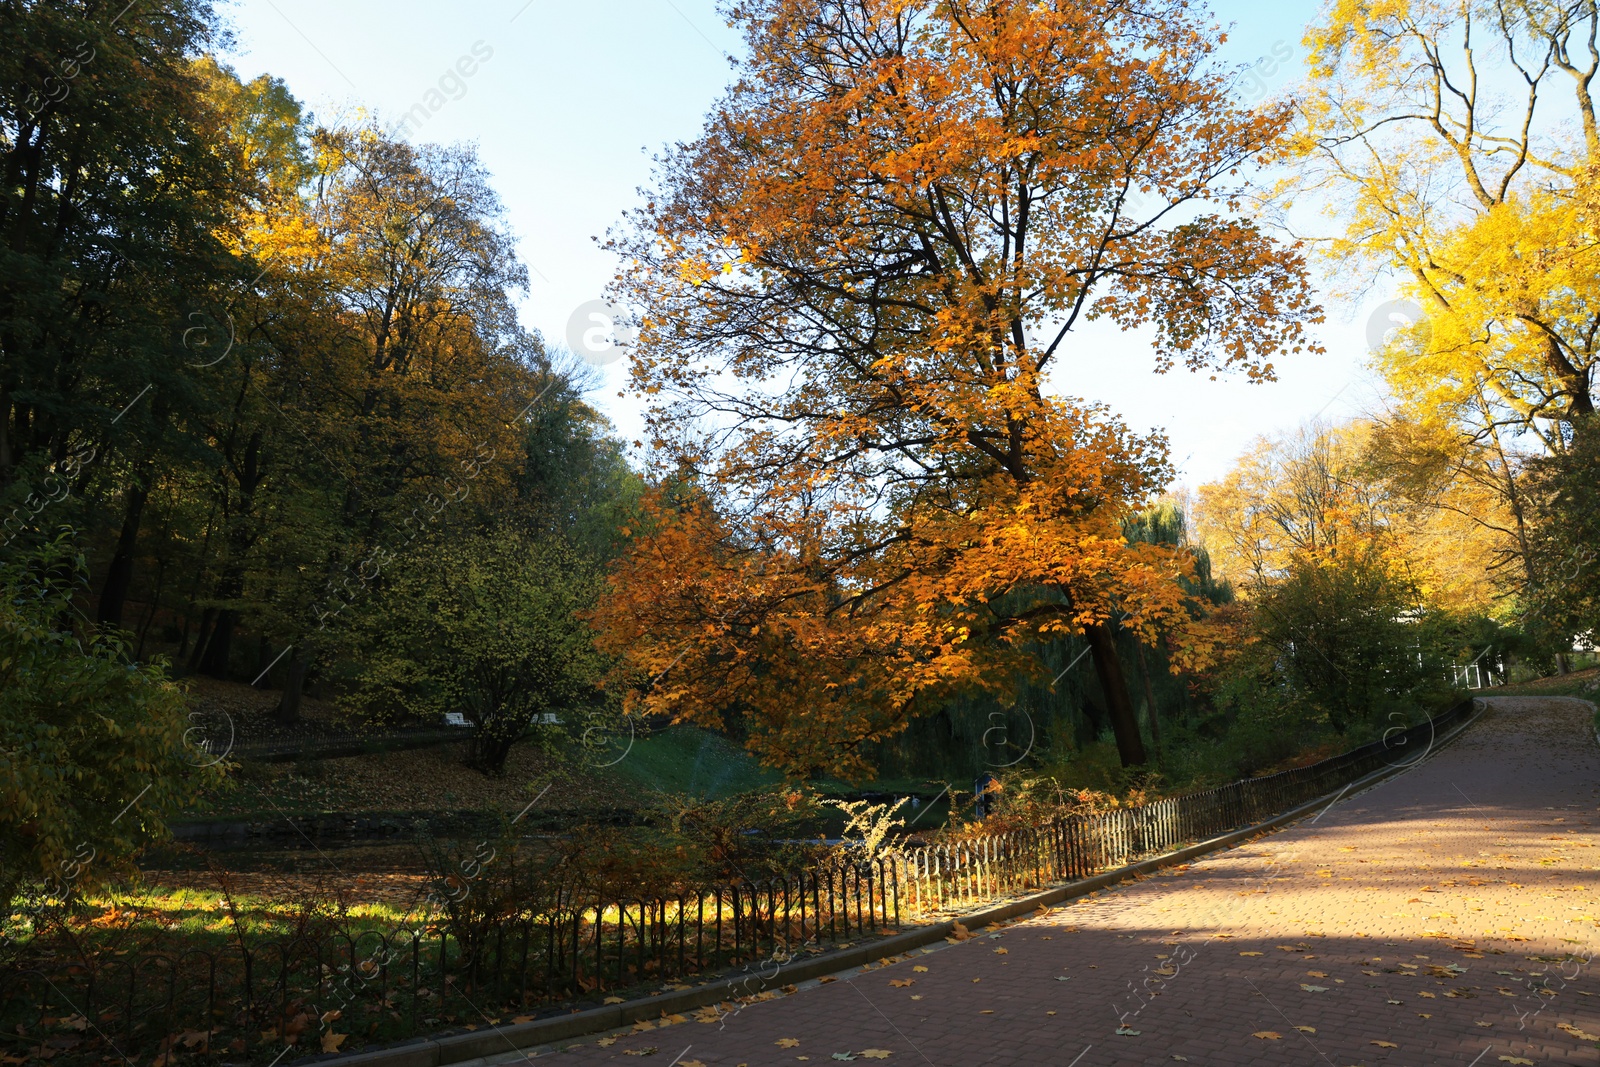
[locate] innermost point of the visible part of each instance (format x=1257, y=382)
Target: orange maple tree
x=851, y=290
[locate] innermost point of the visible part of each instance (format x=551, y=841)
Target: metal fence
x=390, y=985
x=937, y=877
x=247, y=1001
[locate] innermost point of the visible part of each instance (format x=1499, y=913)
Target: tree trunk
x=1119, y=706
x=119, y=575
x=289, y=703
x=215, y=661
x=1149, y=698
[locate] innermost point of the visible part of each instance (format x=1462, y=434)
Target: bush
x=93, y=753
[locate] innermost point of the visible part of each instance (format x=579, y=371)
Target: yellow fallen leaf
x=691, y=1063
x=612, y=1000
x=1249, y=953
x=1575, y=1032
x=901, y=983
x=606, y=1042
x=787, y=1042
x=1384, y=1044
x=875, y=1053
x=331, y=1041
x=916, y=996
x=1425, y=993
x=1001, y=951
x=1517, y=1059
x=1306, y=1029
x=1268, y=1035
x=1318, y=974
x=959, y=932
x=920, y=969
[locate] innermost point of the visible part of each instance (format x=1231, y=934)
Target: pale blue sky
x=576, y=97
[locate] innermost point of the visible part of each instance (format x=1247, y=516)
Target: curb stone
x=480, y=1046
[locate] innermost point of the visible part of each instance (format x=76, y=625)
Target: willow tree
x=853, y=288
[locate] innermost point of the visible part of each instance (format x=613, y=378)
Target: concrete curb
x=458, y=1048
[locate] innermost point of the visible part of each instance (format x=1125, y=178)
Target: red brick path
x=1423, y=913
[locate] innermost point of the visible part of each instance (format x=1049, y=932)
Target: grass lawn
x=1584, y=683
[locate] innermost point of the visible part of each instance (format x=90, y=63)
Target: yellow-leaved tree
x=1456, y=145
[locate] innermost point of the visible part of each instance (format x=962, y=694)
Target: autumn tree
x=853, y=287
x=1456, y=145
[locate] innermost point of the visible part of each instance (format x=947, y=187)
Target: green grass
x=159, y=917
x=1577, y=684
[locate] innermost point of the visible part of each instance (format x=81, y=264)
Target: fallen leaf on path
x=960, y=932
x=1384, y=1044
x=919, y=968
x=1268, y=1035
x=1517, y=1059
x=826, y=978
x=1128, y=1031
x=1577, y=1033
x=1306, y=1029
x=916, y=996
x=1001, y=951
x=612, y=1000
x=606, y=1042
x=691, y=1063
x=1063, y=977
x=1482, y=1022
x=875, y=1053
x=787, y=1042
x=1249, y=953
x=901, y=983
x=648, y=1050
x=1318, y=974
x=844, y=1056
x=1314, y=988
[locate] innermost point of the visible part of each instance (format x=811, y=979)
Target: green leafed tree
x=486, y=626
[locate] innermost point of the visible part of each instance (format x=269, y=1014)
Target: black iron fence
x=374, y=986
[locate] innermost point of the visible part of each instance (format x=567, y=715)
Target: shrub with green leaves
x=93, y=751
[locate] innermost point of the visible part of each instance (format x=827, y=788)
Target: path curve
x=1414, y=923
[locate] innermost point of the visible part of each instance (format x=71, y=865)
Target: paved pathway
x=1412, y=924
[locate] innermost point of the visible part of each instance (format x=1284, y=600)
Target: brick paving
x=1426, y=913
